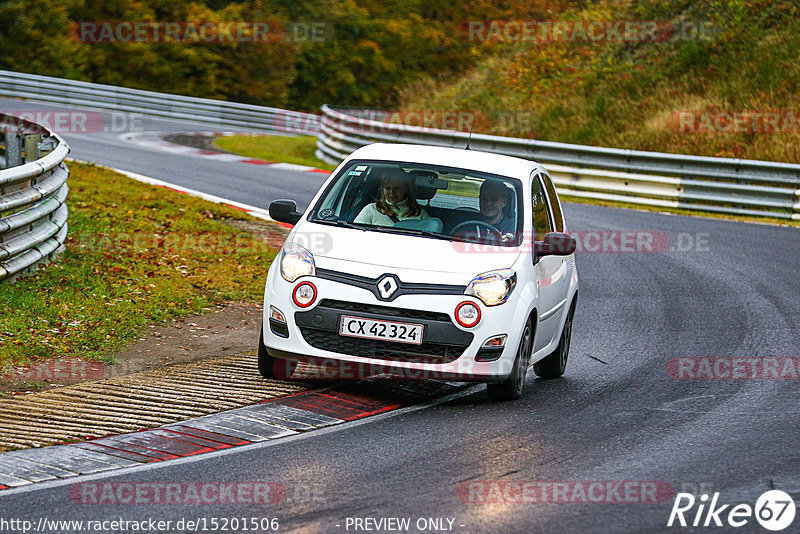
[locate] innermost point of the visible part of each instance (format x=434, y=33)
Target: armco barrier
x=33, y=191
x=735, y=186
x=161, y=105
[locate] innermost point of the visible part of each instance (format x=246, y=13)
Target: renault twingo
x=425, y=262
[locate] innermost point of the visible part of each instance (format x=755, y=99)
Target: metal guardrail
x=153, y=104
x=33, y=191
x=735, y=186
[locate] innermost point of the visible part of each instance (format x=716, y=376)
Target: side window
x=541, y=219
x=555, y=204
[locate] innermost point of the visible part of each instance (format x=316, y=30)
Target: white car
x=425, y=262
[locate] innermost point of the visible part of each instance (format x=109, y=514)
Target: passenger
x=396, y=202
x=494, y=197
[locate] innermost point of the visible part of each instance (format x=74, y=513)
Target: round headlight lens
x=296, y=262
x=304, y=294
x=468, y=314
x=494, y=287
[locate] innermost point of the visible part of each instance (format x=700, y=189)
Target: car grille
x=436, y=353
x=344, y=306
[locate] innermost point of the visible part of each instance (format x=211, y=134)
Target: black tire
x=554, y=364
x=511, y=387
x=270, y=367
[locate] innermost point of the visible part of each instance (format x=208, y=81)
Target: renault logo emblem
x=387, y=286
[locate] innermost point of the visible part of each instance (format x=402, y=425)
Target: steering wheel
x=491, y=231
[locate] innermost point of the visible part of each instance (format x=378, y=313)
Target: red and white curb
x=269, y=420
x=154, y=140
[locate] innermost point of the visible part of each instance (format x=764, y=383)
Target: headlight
x=494, y=287
x=296, y=262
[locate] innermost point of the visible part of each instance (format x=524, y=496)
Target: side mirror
x=283, y=210
x=556, y=244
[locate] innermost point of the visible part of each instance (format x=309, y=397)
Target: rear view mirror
x=556, y=244
x=428, y=179
x=284, y=210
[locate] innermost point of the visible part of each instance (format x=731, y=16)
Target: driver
x=396, y=202
x=494, y=197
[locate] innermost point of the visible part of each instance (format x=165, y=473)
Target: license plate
x=383, y=330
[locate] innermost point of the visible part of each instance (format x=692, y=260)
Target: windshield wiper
x=414, y=231
x=387, y=229
x=345, y=224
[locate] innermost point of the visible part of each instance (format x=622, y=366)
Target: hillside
x=730, y=89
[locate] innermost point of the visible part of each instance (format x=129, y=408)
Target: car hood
x=371, y=253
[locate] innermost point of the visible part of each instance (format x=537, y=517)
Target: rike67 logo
x=774, y=510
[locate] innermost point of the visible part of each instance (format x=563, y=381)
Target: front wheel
x=554, y=364
x=511, y=387
x=271, y=367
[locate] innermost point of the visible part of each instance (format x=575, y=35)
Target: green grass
x=298, y=150
x=136, y=255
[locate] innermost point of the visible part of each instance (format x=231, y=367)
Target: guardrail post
x=32, y=147
x=13, y=149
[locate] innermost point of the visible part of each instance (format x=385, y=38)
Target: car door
x=551, y=271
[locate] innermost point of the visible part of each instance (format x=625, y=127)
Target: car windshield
x=428, y=200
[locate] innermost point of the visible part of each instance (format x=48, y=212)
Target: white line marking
x=225, y=157
x=291, y=167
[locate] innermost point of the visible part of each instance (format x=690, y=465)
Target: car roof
x=475, y=160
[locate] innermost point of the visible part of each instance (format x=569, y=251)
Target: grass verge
x=298, y=150
x=136, y=255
